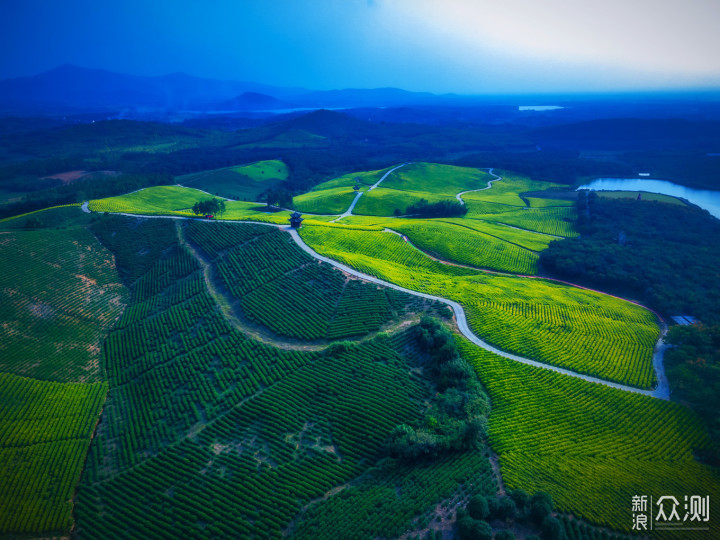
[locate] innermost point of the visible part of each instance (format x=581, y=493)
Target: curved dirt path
x=490, y=171
x=349, y=211
x=662, y=391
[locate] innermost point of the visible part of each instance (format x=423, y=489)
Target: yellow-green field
x=560, y=325
x=328, y=201
x=590, y=446
x=644, y=196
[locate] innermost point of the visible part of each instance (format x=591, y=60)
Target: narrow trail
x=231, y=310
x=349, y=211
x=490, y=171
x=662, y=391
x=230, y=307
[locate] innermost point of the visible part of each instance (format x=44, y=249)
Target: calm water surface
x=704, y=198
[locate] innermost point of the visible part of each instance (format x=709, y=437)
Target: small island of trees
x=209, y=207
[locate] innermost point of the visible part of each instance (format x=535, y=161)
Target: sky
x=440, y=46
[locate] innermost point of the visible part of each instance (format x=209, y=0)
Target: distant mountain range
x=73, y=89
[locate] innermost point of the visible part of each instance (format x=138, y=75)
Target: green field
x=537, y=202
x=645, y=196
x=556, y=324
x=199, y=412
x=245, y=182
x=455, y=242
x=558, y=221
x=591, y=447
x=328, y=201
x=60, y=296
x=416, y=181
x=282, y=288
x=249, y=390
x=45, y=430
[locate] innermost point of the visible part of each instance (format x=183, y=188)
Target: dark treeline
x=83, y=190
x=663, y=254
x=693, y=368
x=424, y=208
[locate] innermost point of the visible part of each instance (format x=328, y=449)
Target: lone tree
x=209, y=207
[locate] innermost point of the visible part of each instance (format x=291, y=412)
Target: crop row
x=59, y=295
x=310, y=300
x=217, y=237
x=565, y=326
x=136, y=243
x=556, y=221
x=612, y=348
x=249, y=472
x=45, y=430
x=590, y=446
x=362, y=309
x=299, y=303
x=396, y=496
x=467, y=246
x=174, y=362
x=249, y=266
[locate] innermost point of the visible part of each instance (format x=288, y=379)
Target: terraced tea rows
x=555, y=221
x=569, y=338
x=592, y=447
x=60, y=295
x=282, y=288
x=385, y=503
x=466, y=246
x=172, y=361
x=45, y=430
x=262, y=459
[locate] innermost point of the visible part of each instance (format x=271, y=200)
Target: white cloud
x=651, y=35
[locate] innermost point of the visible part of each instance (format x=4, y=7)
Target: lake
x=539, y=108
x=704, y=198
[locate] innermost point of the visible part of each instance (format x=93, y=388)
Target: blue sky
x=462, y=46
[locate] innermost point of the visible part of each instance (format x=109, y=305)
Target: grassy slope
x=45, y=430
x=245, y=182
x=60, y=295
x=581, y=330
x=591, y=447
x=328, y=201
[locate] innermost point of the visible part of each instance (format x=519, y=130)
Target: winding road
x=490, y=171
x=349, y=211
x=662, y=391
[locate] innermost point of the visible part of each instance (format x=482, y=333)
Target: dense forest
x=693, y=365
x=663, y=254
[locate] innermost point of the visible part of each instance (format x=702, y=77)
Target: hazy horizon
x=462, y=47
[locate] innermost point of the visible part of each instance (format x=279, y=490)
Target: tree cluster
x=278, y=196
x=457, y=416
x=211, y=206
x=534, y=512
x=437, y=209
